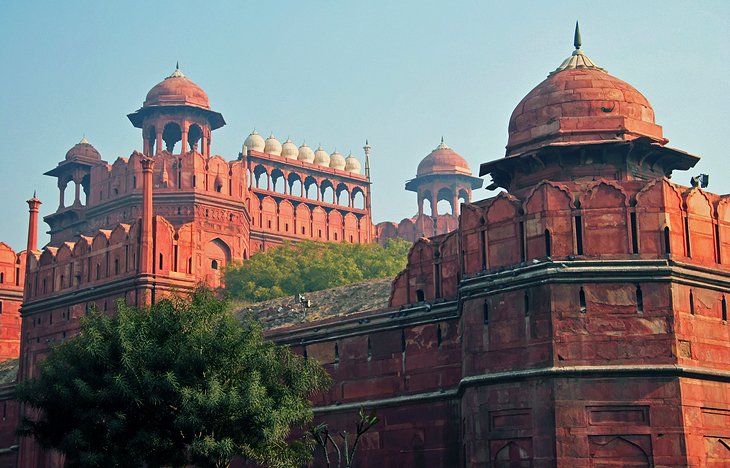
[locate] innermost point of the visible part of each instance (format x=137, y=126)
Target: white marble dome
x=289, y=150
x=272, y=146
x=321, y=158
x=305, y=154
x=337, y=161
x=352, y=164
x=255, y=142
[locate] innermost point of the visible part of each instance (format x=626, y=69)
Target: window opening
x=579, y=235
x=634, y=234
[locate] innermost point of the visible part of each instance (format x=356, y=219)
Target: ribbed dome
x=321, y=158
x=443, y=160
x=352, y=164
x=579, y=102
x=176, y=90
x=289, y=150
x=82, y=150
x=337, y=161
x=305, y=153
x=272, y=146
x=255, y=142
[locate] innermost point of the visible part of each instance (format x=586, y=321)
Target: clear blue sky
x=400, y=73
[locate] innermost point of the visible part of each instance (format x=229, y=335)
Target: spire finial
x=442, y=139
x=177, y=65
x=34, y=194
x=576, y=36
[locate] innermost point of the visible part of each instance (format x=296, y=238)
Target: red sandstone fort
x=577, y=318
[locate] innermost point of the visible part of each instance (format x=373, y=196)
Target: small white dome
x=254, y=142
x=337, y=161
x=321, y=158
x=289, y=150
x=352, y=164
x=305, y=153
x=272, y=146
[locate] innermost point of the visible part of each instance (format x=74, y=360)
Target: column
x=33, y=205
x=62, y=184
x=184, y=142
x=145, y=255
x=158, y=141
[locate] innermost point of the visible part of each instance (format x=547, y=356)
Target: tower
x=176, y=110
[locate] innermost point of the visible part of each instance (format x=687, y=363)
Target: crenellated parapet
x=599, y=219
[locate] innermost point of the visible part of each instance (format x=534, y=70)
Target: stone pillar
x=158, y=141
x=77, y=189
x=184, y=141
x=62, y=189
x=33, y=205
x=145, y=254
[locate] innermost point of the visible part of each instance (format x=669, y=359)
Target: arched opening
x=171, y=135
x=463, y=196
x=195, y=133
x=277, y=181
x=258, y=171
x=295, y=184
x=343, y=195
x=667, y=243
x=444, y=201
x=151, y=140
x=444, y=207
x=582, y=300
x=84, y=189
x=310, y=188
x=639, y=300
x=67, y=193
x=217, y=255
x=548, y=244
x=512, y=456
x=328, y=192
x=427, y=209
x=358, y=198
x=617, y=452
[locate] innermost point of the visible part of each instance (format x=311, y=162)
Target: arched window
x=171, y=135
x=214, y=264
x=194, y=135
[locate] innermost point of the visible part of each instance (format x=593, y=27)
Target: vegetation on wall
x=181, y=382
x=313, y=266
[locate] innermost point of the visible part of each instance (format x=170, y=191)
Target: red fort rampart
x=577, y=318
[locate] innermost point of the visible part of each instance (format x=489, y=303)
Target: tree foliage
x=180, y=382
x=313, y=266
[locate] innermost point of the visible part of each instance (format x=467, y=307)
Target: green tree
x=176, y=383
x=313, y=266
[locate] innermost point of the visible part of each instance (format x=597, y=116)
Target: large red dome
x=177, y=90
x=580, y=103
x=443, y=160
x=82, y=150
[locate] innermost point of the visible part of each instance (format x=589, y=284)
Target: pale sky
x=399, y=73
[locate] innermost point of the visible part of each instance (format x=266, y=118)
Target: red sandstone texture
x=577, y=319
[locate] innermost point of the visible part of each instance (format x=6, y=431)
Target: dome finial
x=177, y=73
x=84, y=140
x=576, y=36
